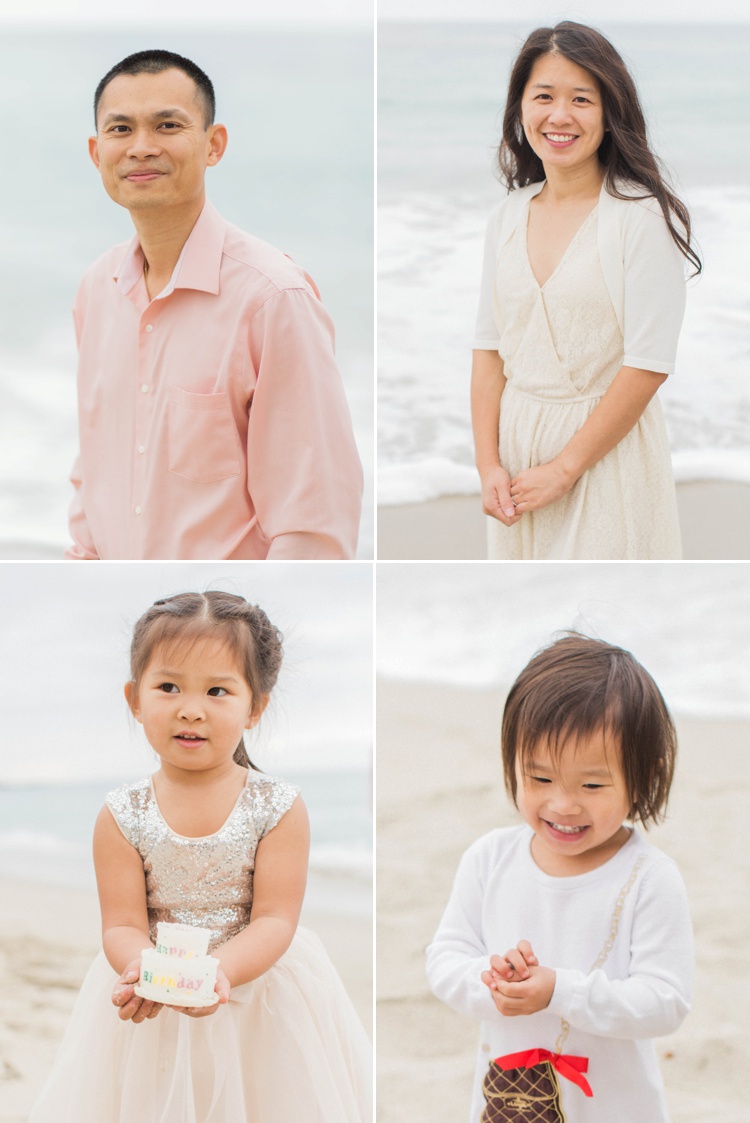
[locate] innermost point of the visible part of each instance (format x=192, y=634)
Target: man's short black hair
x=153, y=62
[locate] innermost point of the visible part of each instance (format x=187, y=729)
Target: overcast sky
x=546, y=12
x=187, y=12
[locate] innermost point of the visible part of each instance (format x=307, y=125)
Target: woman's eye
x=168, y=688
x=217, y=691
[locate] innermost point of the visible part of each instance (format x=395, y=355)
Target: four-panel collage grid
x=394, y=365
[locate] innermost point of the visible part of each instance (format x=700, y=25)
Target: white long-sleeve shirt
x=642, y=991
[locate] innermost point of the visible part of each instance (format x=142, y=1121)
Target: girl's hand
x=513, y=965
x=527, y=996
x=222, y=990
x=496, y=500
x=130, y=1006
x=535, y=488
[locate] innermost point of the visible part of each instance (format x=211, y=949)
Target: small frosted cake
x=177, y=971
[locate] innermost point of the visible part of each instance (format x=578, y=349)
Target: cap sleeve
x=127, y=805
x=271, y=799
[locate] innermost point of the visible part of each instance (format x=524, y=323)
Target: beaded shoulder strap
x=609, y=943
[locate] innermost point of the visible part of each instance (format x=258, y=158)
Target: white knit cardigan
x=643, y=269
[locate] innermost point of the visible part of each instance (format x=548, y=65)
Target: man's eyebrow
x=161, y=115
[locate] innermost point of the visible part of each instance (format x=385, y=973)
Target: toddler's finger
x=527, y=952
x=488, y=978
x=517, y=963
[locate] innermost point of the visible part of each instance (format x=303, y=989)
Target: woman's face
x=562, y=113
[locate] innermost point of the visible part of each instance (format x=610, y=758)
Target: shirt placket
x=144, y=417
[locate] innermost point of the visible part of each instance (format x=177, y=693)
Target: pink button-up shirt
x=213, y=422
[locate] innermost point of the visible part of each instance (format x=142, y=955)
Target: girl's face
x=575, y=805
x=562, y=113
x=194, y=705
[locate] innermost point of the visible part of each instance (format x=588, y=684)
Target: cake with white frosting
x=178, y=972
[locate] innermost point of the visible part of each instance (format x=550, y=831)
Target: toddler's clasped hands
x=131, y=1007
x=517, y=983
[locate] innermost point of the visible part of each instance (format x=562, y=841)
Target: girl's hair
x=624, y=151
x=191, y=617
x=578, y=687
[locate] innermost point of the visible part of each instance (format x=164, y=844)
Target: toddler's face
x=194, y=705
x=575, y=805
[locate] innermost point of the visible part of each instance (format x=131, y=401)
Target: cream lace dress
x=287, y=1047
x=562, y=347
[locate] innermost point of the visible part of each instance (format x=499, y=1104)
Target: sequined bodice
x=203, y=881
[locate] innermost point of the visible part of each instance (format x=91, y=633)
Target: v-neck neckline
x=565, y=252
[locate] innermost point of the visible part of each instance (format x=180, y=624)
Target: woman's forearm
x=616, y=414
x=487, y=385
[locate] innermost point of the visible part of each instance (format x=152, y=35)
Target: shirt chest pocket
x=202, y=437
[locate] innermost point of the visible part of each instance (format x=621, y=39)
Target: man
x=213, y=423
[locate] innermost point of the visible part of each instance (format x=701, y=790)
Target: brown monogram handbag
x=522, y=1095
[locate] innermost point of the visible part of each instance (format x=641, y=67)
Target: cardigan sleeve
x=487, y=337
x=654, y=296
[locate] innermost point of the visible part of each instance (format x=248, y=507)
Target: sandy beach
x=448, y=794
x=714, y=519
x=48, y=937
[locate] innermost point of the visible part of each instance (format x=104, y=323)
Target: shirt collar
x=198, y=266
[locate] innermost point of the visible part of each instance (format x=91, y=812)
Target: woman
x=582, y=300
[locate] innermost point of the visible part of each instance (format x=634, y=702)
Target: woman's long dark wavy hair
x=624, y=152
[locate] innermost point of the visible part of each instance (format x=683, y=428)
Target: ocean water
x=476, y=626
x=45, y=836
x=298, y=172
x=441, y=91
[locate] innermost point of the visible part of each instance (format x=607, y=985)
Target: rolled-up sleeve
x=304, y=475
x=654, y=299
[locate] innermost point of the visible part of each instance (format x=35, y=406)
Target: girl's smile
x=574, y=803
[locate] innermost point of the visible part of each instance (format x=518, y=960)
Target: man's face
x=152, y=146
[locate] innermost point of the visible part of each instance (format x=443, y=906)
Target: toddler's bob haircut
x=578, y=687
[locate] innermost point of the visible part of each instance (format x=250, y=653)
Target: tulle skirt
x=287, y=1047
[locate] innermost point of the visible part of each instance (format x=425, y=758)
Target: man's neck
x=162, y=236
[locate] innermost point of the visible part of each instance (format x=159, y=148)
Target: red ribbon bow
x=570, y=1067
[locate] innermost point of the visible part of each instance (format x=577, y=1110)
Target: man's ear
x=131, y=697
x=94, y=150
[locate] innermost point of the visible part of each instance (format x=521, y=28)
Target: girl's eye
x=217, y=691
x=168, y=688
x=540, y=779
x=593, y=787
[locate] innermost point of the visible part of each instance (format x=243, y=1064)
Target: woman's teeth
x=560, y=138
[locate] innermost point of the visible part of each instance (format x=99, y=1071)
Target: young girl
x=208, y=841
x=582, y=299
x=569, y=937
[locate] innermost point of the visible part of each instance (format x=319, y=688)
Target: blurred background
x=296, y=95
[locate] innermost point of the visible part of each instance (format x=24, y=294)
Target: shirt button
x=141, y=448
x=144, y=388
x=138, y=510
x=149, y=327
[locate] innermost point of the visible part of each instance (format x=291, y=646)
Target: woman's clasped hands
x=131, y=1007
x=507, y=499
x=517, y=983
